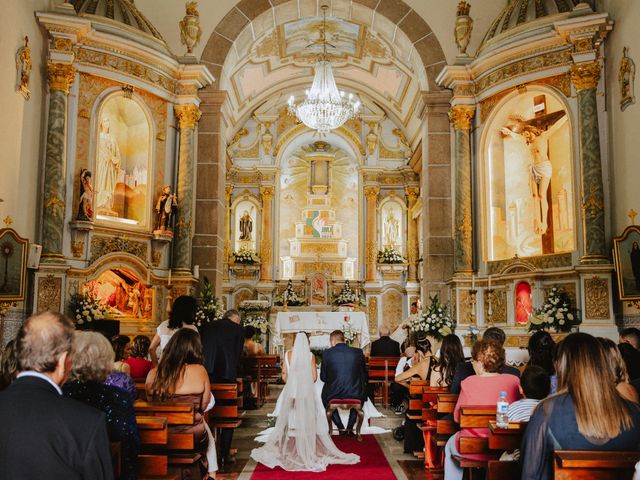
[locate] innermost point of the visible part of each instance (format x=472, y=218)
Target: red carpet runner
x=373, y=464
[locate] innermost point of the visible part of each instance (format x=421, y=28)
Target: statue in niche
x=535, y=134
x=391, y=230
x=626, y=78
x=108, y=167
x=166, y=209
x=246, y=227
x=85, y=208
x=23, y=65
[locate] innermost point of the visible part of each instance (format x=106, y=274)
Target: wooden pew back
x=225, y=413
x=594, y=465
x=475, y=416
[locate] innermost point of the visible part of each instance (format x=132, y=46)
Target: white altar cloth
x=322, y=323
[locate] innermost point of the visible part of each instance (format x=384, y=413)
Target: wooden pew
x=445, y=426
x=382, y=372
x=414, y=410
x=474, y=416
x=505, y=440
x=425, y=397
x=261, y=369
x=594, y=465
x=225, y=413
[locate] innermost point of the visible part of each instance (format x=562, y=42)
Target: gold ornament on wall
x=267, y=139
x=461, y=115
x=190, y=30
x=626, y=80
x=372, y=138
x=463, y=29
x=585, y=76
x=23, y=67
x=596, y=298
x=60, y=76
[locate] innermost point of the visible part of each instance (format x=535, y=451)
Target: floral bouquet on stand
x=390, y=256
x=259, y=322
x=435, y=322
x=350, y=334
x=556, y=313
x=346, y=296
x=289, y=297
x=85, y=309
x=246, y=256
x=210, y=308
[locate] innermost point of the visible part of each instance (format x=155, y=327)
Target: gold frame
x=617, y=241
x=20, y=241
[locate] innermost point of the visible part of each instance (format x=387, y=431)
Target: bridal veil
x=300, y=440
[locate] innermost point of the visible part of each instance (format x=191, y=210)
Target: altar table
x=321, y=324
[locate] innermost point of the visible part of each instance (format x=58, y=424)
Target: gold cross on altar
x=632, y=215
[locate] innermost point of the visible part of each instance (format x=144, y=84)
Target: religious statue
x=190, y=30
x=626, y=80
x=391, y=230
x=267, y=139
x=464, y=26
x=634, y=257
x=372, y=138
x=166, y=209
x=246, y=226
x=23, y=66
x=85, y=207
x=108, y=167
x=535, y=134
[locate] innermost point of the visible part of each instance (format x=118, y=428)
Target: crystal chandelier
x=325, y=108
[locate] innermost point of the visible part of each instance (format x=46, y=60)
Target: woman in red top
x=137, y=361
x=483, y=388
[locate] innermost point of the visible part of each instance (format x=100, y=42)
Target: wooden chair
x=474, y=416
x=382, y=372
x=346, y=404
x=594, y=465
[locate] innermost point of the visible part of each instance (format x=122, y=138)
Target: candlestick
x=149, y=277
x=472, y=311
x=473, y=282
x=196, y=271
x=489, y=282
x=169, y=279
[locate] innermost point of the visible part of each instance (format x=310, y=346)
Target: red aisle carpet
x=373, y=464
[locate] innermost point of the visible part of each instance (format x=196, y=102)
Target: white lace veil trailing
x=300, y=440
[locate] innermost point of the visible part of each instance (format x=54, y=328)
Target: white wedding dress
x=300, y=440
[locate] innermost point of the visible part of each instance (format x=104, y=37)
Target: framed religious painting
x=626, y=252
x=13, y=265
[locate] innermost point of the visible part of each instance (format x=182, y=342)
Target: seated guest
x=92, y=362
x=180, y=377
x=251, y=347
x=182, y=315
x=465, y=369
x=120, y=374
x=44, y=435
x=137, y=360
x=8, y=365
x=483, y=388
x=631, y=336
x=618, y=369
x=398, y=392
x=542, y=350
x=535, y=385
x=385, y=346
x=631, y=358
x=588, y=413
x=451, y=354
x=122, y=347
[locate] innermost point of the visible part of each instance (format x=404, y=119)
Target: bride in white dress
x=300, y=440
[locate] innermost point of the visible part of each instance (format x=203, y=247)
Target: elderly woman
x=483, y=388
x=93, y=359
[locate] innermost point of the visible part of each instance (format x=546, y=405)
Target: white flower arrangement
x=436, y=321
x=246, y=256
x=390, y=255
x=346, y=296
x=556, y=313
x=290, y=297
x=259, y=322
x=85, y=308
x=350, y=334
x=210, y=308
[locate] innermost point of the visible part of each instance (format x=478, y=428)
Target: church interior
x=322, y=165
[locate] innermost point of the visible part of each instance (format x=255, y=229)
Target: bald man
x=385, y=346
x=43, y=434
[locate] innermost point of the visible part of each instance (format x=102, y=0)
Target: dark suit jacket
x=222, y=343
x=344, y=373
x=44, y=435
x=385, y=347
x=465, y=369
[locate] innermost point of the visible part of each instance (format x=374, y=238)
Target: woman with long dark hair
x=182, y=315
x=180, y=377
x=618, y=369
x=542, y=351
x=451, y=354
x=587, y=413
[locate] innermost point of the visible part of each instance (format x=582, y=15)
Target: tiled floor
x=405, y=467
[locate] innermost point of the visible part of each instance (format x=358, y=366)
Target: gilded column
x=228, y=190
x=412, y=234
x=188, y=116
x=461, y=116
x=585, y=78
x=267, y=230
x=371, y=193
x=60, y=77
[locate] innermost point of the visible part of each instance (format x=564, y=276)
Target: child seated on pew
x=534, y=386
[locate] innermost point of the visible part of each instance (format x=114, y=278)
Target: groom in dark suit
x=344, y=374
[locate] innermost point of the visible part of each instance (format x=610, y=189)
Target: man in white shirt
x=401, y=333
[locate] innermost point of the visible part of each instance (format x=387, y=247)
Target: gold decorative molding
x=596, y=298
x=412, y=194
x=325, y=267
x=585, y=76
x=372, y=307
x=101, y=246
x=188, y=115
x=54, y=202
x=156, y=257
x=372, y=251
x=49, y=293
x=228, y=191
x=267, y=192
x=77, y=248
x=498, y=306
x=531, y=263
x=461, y=115
x=60, y=76
x=465, y=227
x=371, y=193
x=590, y=204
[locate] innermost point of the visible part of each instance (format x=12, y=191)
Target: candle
x=196, y=271
x=169, y=281
x=489, y=282
x=149, y=277
x=473, y=282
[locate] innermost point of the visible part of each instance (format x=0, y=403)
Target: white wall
x=22, y=124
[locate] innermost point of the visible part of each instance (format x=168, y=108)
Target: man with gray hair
x=385, y=346
x=44, y=434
